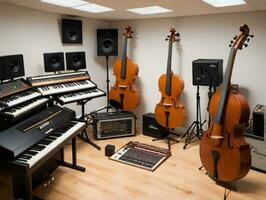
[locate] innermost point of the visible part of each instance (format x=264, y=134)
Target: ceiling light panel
x=224, y=3
x=149, y=10
x=65, y=3
x=93, y=8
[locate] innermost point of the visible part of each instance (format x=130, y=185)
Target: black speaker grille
x=54, y=62
x=13, y=66
x=71, y=31
x=152, y=128
x=76, y=60
x=107, y=42
x=207, y=72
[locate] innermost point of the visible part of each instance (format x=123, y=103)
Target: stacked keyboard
x=67, y=87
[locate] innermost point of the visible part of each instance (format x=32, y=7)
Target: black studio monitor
x=107, y=42
x=75, y=60
x=207, y=72
x=13, y=66
x=71, y=31
x=54, y=62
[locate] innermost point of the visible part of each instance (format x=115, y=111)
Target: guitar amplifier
x=152, y=128
x=113, y=125
x=259, y=120
x=258, y=151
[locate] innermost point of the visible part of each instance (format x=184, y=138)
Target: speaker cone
x=75, y=60
x=53, y=62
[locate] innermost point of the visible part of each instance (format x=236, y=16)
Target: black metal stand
x=190, y=134
x=84, y=134
x=72, y=165
x=168, y=138
x=108, y=106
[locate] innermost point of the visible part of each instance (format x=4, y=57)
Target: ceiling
x=179, y=7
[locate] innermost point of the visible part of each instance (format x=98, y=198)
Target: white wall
x=32, y=33
x=201, y=37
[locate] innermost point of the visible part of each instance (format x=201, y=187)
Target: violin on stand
x=224, y=152
x=124, y=94
x=169, y=112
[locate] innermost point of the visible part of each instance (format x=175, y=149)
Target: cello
x=124, y=94
x=169, y=112
x=224, y=152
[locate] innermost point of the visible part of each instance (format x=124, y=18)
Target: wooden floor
x=177, y=178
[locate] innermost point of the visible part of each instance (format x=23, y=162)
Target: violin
x=224, y=152
x=124, y=94
x=169, y=112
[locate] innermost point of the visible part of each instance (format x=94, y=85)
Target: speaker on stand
x=54, y=62
x=107, y=45
x=71, y=31
x=13, y=66
x=75, y=60
x=205, y=72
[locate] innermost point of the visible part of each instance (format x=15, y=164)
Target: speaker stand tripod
x=190, y=134
x=84, y=134
x=108, y=106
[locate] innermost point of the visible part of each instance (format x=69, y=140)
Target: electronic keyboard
x=12, y=87
x=66, y=87
x=17, y=139
x=79, y=96
x=58, y=78
x=19, y=98
x=23, y=108
x=49, y=143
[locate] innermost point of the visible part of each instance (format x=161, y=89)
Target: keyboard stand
x=23, y=176
x=72, y=165
x=84, y=135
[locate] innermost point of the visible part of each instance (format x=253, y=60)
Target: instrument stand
x=168, y=138
x=84, y=134
x=190, y=134
x=108, y=106
x=225, y=185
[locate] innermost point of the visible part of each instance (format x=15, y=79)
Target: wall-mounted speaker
x=75, y=60
x=207, y=72
x=1, y=69
x=107, y=42
x=71, y=31
x=54, y=62
x=13, y=66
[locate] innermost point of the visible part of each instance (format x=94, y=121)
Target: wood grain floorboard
x=177, y=178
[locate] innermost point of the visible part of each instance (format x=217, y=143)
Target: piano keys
x=19, y=98
x=79, y=96
x=49, y=144
x=66, y=87
x=23, y=108
x=34, y=147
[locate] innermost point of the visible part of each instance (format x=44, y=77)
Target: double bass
x=169, y=112
x=124, y=94
x=224, y=152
